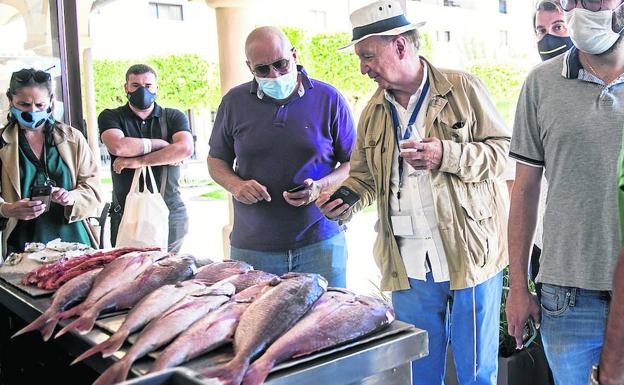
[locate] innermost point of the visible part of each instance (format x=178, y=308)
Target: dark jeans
x=178, y=227
x=534, y=266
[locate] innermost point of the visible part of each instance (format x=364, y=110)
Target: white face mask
x=281, y=87
x=590, y=31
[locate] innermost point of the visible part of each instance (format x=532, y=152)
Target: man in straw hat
x=430, y=149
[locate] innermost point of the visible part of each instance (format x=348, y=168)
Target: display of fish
x=337, y=317
x=212, y=331
x=70, y=293
x=217, y=271
x=150, y=307
x=266, y=319
x=161, y=331
x=164, y=272
x=123, y=269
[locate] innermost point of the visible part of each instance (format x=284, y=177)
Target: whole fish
x=123, y=269
x=166, y=271
x=249, y=279
x=217, y=271
x=70, y=293
x=150, y=307
x=214, y=330
x=162, y=330
x=337, y=317
x=266, y=319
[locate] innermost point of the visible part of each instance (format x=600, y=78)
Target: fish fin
x=258, y=372
x=37, y=324
x=69, y=313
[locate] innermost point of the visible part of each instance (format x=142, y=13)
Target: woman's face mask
x=22, y=107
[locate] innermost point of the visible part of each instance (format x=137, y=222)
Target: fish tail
x=257, y=372
x=69, y=313
x=228, y=374
x=71, y=326
x=114, y=343
x=112, y=375
x=48, y=329
x=37, y=324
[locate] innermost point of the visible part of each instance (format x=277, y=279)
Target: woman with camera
x=49, y=180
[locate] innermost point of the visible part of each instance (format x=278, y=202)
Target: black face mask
x=551, y=46
x=141, y=98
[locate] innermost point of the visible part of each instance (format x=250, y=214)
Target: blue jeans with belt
x=468, y=318
x=573, y=328
x=327, y=258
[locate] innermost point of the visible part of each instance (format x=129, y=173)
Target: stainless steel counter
x=379, y=359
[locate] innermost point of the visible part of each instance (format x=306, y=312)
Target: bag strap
x=145, y=171
x=163, y=133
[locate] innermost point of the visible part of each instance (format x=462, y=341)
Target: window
x=162, y=11
x=502, y=6
x=504, y=38
x=452, y=3
x=443, y=36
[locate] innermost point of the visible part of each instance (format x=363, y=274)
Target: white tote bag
x=145, y=221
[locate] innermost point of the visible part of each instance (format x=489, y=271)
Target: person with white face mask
x=291, y=137
x=568, y=125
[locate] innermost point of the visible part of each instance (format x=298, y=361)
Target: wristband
x=147, y=146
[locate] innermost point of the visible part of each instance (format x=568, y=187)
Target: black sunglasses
x=280, y=66
x=591, y=5
x=24, y=75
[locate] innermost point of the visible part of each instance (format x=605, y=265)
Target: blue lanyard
x=408, y=129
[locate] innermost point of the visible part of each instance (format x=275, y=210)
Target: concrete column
x=91, y=118
x=234, y=22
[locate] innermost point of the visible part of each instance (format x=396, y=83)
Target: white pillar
x=93, y=133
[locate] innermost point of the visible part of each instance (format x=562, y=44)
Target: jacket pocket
x=479, y=229
x=455, y=128
x=374, y=148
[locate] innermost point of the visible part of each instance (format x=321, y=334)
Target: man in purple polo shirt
x=286, y=132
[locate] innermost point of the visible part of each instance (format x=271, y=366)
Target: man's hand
x=334, y=210
x=305, y=196
x=520, y=305
x=250, y=192
x=425, y=155
x=122, y=163
x=61, y=196
x=24, y=209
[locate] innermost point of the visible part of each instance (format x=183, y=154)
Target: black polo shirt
x=124, y=119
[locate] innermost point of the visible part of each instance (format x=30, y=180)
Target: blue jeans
x=573, y=327
x=457, y=316
x=327, y=258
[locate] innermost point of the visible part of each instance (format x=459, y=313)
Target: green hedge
x=184, y=81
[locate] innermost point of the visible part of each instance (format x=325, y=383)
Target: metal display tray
x=175, y=376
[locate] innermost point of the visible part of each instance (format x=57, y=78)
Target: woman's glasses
x=264, y=70
x=24, y=76
x=591, y=5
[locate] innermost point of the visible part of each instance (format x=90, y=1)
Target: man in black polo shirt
x=133, y=135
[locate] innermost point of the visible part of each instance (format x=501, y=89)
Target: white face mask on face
x=590, y=31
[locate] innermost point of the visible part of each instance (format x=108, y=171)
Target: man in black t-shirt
x=133, y=136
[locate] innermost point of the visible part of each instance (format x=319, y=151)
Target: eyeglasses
x=24, y=75
x=590, y=5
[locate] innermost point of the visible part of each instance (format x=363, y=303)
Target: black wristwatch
x=594, y=378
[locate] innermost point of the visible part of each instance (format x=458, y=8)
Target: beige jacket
x=470, y=201
x=73, y=148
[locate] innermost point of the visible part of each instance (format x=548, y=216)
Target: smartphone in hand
x=347, y=195
x=41, y=193
x=301, y=187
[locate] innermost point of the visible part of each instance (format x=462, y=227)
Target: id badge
x=402, y=225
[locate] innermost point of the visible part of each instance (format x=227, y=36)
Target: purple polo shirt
x=280, y=147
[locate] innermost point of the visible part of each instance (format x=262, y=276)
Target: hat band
x=379, y=26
